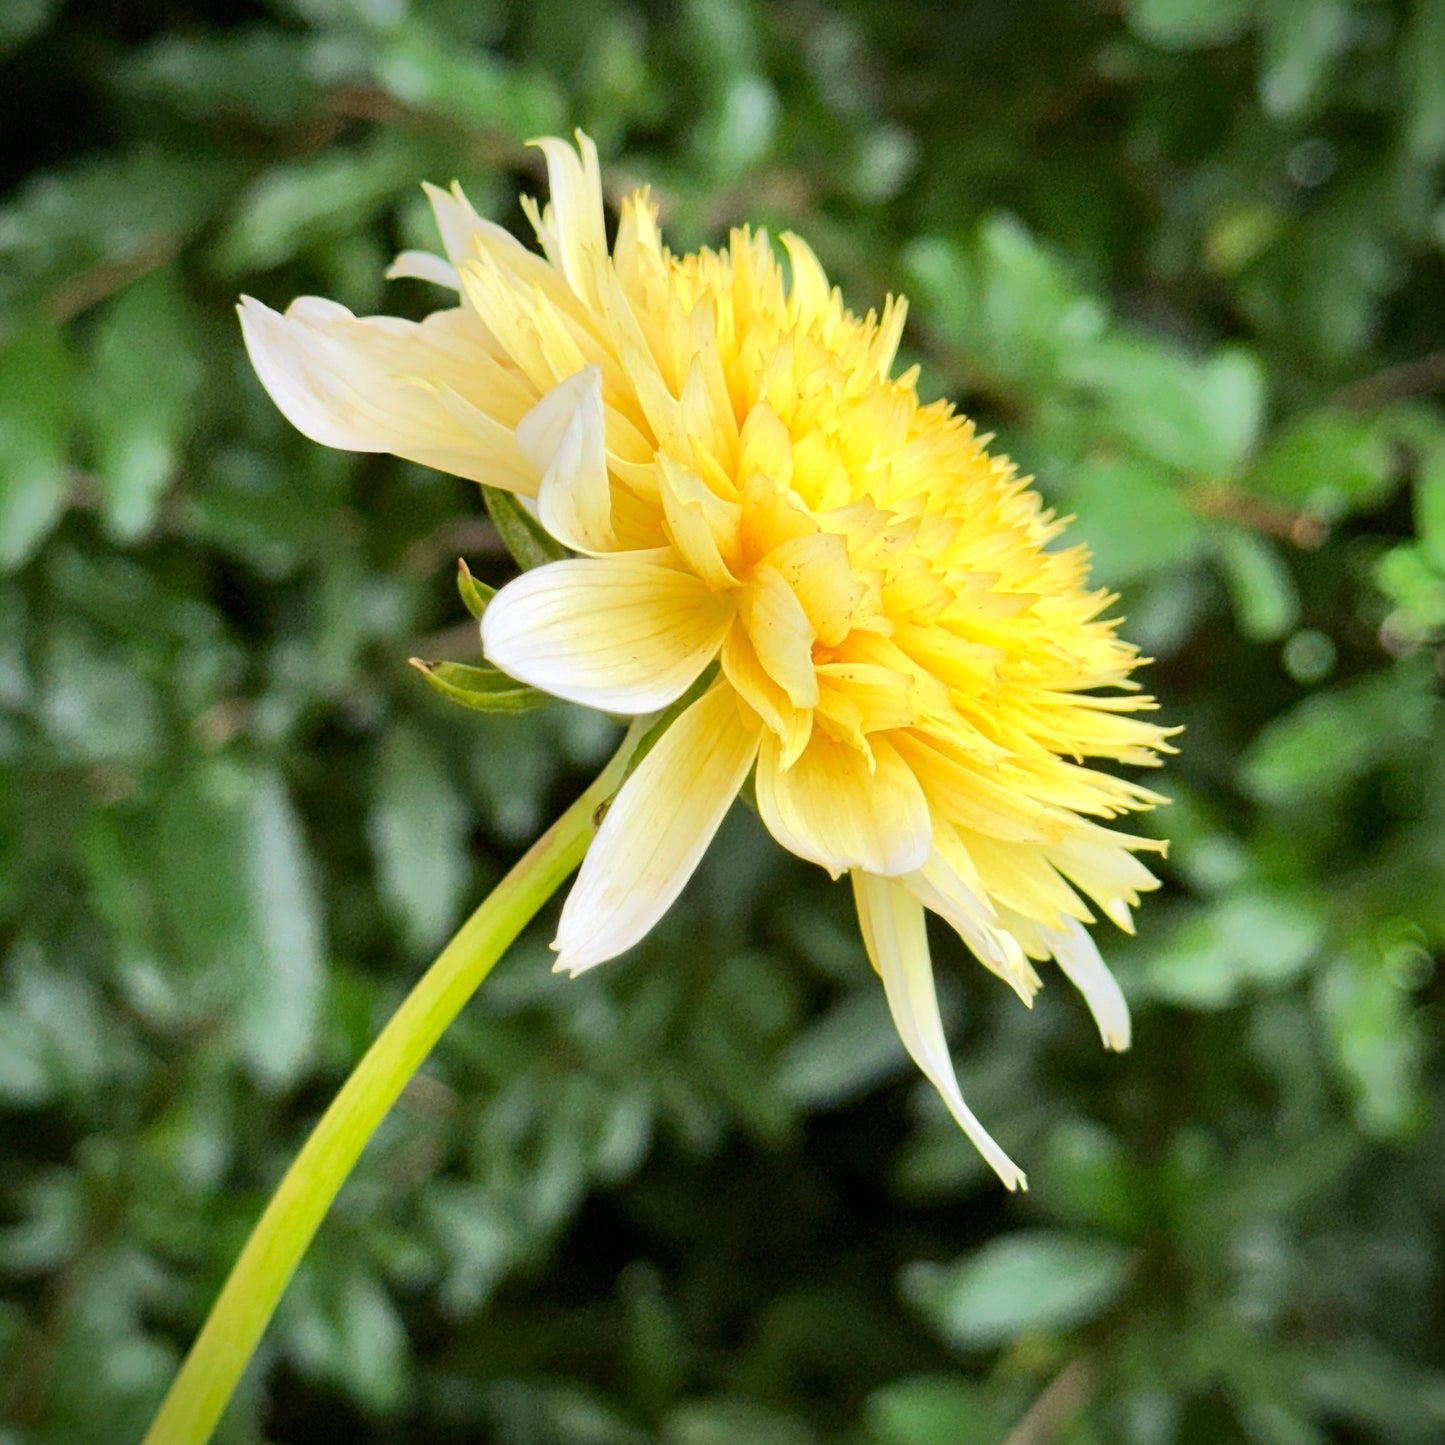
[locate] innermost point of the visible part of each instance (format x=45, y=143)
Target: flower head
x=880, y=627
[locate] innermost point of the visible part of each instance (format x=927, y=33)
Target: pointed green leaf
x=483, y=689
x=236, y=886
x=475, y=595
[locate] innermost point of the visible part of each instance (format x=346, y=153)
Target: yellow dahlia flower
x=888, y=642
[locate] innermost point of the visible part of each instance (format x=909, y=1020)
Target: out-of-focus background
x=1185, y=258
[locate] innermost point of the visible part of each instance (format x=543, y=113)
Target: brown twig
x=1420, y=377
x=1306, y=530
x=84, y=289
x=1062, y=1399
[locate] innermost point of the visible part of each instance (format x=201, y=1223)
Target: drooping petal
x=564, y=435
x=830, y=807
x=1078, y=955
x=656, y=831
x=623, y=633
x=892, y=922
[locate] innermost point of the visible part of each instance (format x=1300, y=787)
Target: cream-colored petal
x=573, y=231
x=939, y=888
x=656, y=831
x=1078, y=955
x=781, y=634
x=376, y=384
x=894, y=934
x=621, y=633
x=457, y=222
x=423, y=266
x=792, y=725
x=564, y=435
x=832, y=808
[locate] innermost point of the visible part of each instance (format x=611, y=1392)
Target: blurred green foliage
x=1185, y=257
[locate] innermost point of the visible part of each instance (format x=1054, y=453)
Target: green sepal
x=475, y=595
x=521, y=533
x=483, y=689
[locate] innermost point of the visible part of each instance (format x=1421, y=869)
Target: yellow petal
x=818, y=571
x=831, y=808
x=892, y=922
x=656, y=831
x=740, y=665
x=700, y=523
x=564, y=437
x=781, y=634
x=766, y=447
x=808, y=296
x=856, y=699
x=622, y=633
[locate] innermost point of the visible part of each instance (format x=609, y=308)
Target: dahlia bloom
x=863, y=608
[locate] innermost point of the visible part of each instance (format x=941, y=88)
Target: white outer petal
x=565, y=437
x=378, y=384
x=620, y=633
x=1078, y=955
x=895, y=935
x=656, y=831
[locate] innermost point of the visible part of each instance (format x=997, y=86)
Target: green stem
x=203, y=1388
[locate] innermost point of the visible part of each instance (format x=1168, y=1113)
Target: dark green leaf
x=35, y=417
x=521, y=533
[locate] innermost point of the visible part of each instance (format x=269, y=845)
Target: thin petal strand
x=656, y=831
x=892, y=921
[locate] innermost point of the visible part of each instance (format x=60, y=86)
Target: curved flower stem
x=221, y=1352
